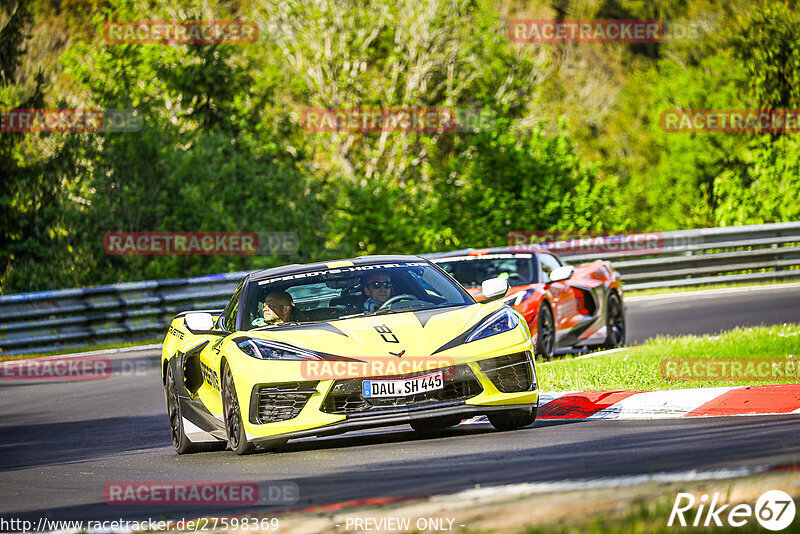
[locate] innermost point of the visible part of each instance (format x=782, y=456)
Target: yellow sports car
x=325, y=348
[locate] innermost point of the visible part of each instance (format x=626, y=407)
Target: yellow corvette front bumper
x=322, y=407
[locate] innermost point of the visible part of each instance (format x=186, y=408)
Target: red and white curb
x=668, y=404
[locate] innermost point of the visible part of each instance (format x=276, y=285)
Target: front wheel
x=237, y=439
x=545, y=333
x=513, y=419
x=180, y=442
x=615, y=323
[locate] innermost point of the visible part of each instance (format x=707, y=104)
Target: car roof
x=297, y=268
x=518, y=249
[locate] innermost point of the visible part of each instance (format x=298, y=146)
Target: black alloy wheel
x=615, y=323
x=237, y=439
x=545, y=333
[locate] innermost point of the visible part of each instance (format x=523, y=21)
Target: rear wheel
x=513, y=419
x=615, y=323
x=545, y=333
x=434, y=424
x=180, y=442
x=234, y=425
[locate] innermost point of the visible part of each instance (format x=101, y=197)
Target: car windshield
x=471, y=271
x=339, y=293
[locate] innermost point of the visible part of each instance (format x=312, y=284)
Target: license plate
x=402, y=387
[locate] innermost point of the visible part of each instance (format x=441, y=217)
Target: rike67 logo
x=774, y=510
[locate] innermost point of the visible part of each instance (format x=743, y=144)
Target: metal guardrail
x=75, y=318
x=119, y=313
x=708, y=256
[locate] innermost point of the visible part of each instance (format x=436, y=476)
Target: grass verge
x=645, y=368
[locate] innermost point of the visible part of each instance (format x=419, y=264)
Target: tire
x=513, y=419
x=434, y=424
x=180, y=442
x=615, y=322
x=234, y=426
x=545, y=333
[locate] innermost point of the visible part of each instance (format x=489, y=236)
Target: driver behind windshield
x=523, y=271
x=378, y=289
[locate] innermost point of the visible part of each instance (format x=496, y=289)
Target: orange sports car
x=565, y=306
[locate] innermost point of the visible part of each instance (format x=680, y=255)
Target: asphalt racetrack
x=709, y=311
x=62, y=442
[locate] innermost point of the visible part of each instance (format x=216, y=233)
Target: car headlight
x=273, y=350
x=501, y=321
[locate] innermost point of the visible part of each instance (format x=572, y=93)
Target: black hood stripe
x=424, y=315
x=315, y=326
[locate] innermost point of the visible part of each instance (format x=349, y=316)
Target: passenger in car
x=279, y=308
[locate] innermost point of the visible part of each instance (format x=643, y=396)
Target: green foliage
x=349, y=54
x=519, y=179
x=214, y=163
x=763, y=188
x=574, y=141
x=769, y=49
x=31, y=196
x=667, y=179
x=761, y=180
x=12, y=40
x=672, y=181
